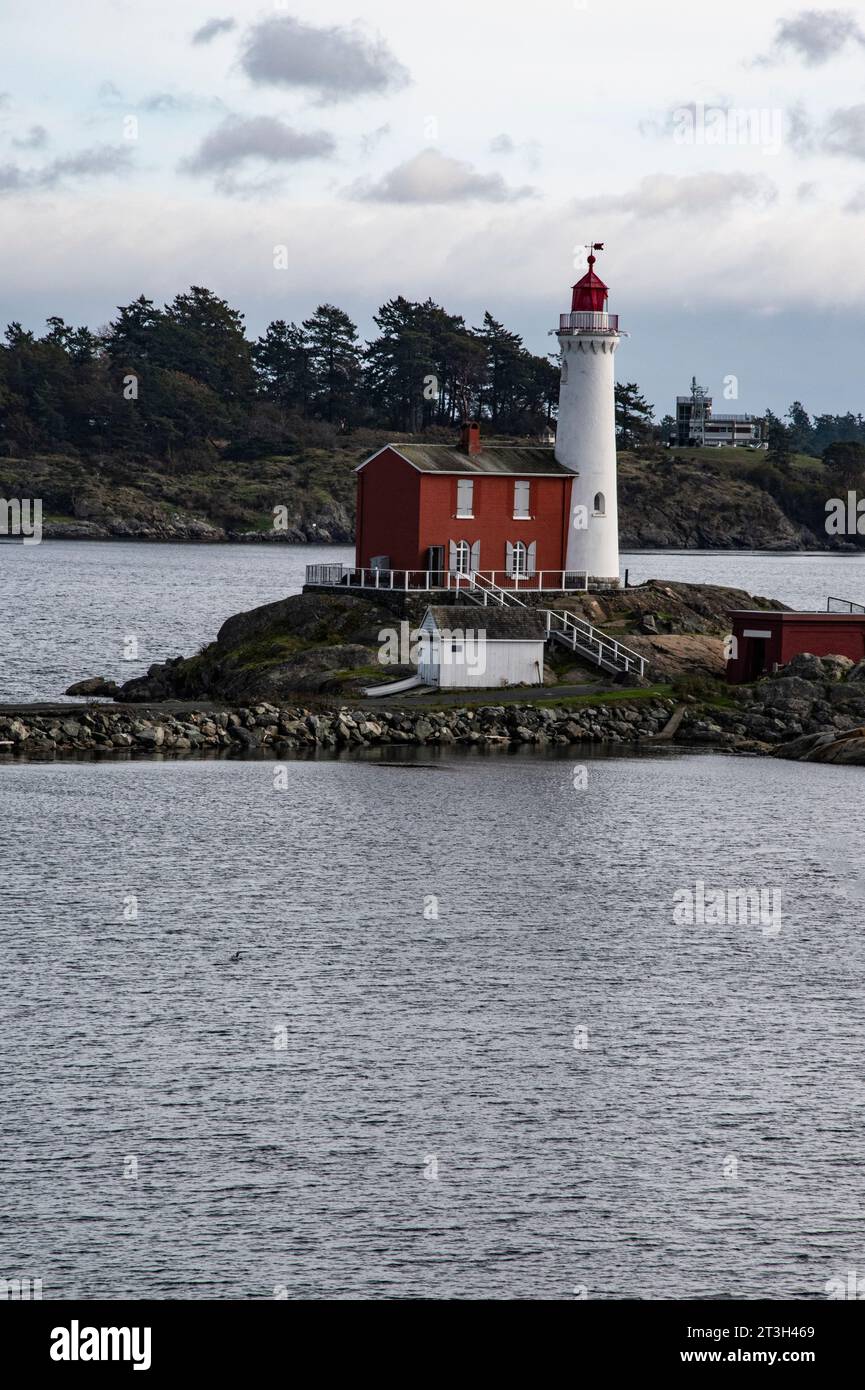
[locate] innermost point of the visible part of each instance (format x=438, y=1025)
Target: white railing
x=570, y=628
x=477, y=583
x=580, y=635
x=355, y=577
x=586, y=321
x=481, y=587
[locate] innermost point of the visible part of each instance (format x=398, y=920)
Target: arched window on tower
x=600, y=507
x=564, y=370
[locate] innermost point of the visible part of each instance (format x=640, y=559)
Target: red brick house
x=765, y=639
x=440, y=508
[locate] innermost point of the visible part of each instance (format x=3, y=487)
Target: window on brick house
x=465, y=496
x=522, y=497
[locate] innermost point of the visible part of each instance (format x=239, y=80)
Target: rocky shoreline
x=268, y=728
x=813, y=710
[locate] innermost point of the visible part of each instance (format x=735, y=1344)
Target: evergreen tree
x=282, y=362
x=846, y=463
x=633, y=416
x=335, y=364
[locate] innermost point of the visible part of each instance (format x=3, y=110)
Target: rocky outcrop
x=327, y=642
x=687, y=505
x=812, y=710
x=96, y=685
x=306, y=644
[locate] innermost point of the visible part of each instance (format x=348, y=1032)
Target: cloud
x=5, y=101
x=259, y=137
x=801, y=133
x=179, y=101
x=806, y=192
x=335, y=63
x=100, y=161
x=844, y=132
x=502, y=144
x=11, y=178
x=108, y=93
x=97, y=162
x=35, y=139
x=373, y=139
x=209, y=31
x=814, y=36
x=659, y=195
x=856, y=203
x=432, y=177
x=257, y=140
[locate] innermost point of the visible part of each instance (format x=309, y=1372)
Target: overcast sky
x=464, y=151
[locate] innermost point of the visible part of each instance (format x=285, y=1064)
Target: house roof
x=498, y=624
x=529, y=460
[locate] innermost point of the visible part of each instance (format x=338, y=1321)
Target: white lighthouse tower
x=586, y=433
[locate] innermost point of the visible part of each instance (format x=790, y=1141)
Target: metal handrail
x=847, y=606
x=606, y=650
x=622, y=657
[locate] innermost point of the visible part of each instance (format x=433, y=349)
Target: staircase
x=564, y=627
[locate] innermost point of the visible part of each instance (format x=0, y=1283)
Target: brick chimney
x=470, y=437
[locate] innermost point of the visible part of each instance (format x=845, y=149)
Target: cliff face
x=687, y=508
x=709, y=499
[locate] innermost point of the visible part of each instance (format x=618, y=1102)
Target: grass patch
x=270, y=650
x=625, y=696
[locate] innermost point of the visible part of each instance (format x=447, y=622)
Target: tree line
x=182, y=381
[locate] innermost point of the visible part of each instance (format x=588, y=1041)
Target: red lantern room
x=590, y=293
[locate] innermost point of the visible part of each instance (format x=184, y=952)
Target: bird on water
x=235, y=958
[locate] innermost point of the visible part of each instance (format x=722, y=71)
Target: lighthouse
x=586, y=435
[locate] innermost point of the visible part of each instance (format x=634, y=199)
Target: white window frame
x=523, y=489
x=462, y=484
x=520, y=559
x=462, y=557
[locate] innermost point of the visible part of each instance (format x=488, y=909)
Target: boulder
x=799, y=749
x=850, y=751
x=94, y=685
x=835, y=668
x=784, y=691
x=804, y=664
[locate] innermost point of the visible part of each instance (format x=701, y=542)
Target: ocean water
x=467, y=1052
x=70, y=608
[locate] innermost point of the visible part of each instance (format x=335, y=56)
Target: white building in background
x=697, y=425
x=586, y=434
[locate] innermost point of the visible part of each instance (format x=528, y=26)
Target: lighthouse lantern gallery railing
x=586, y=321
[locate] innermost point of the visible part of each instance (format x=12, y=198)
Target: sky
x=291, y=154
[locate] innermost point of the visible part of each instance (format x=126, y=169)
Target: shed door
x=755, y=658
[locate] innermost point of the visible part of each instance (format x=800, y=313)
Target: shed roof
x=527, y=460
x=498, y=624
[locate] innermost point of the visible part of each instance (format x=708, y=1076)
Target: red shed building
x=443, y=509
x=766, y=639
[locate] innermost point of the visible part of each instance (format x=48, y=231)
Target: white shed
x=466, y=646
